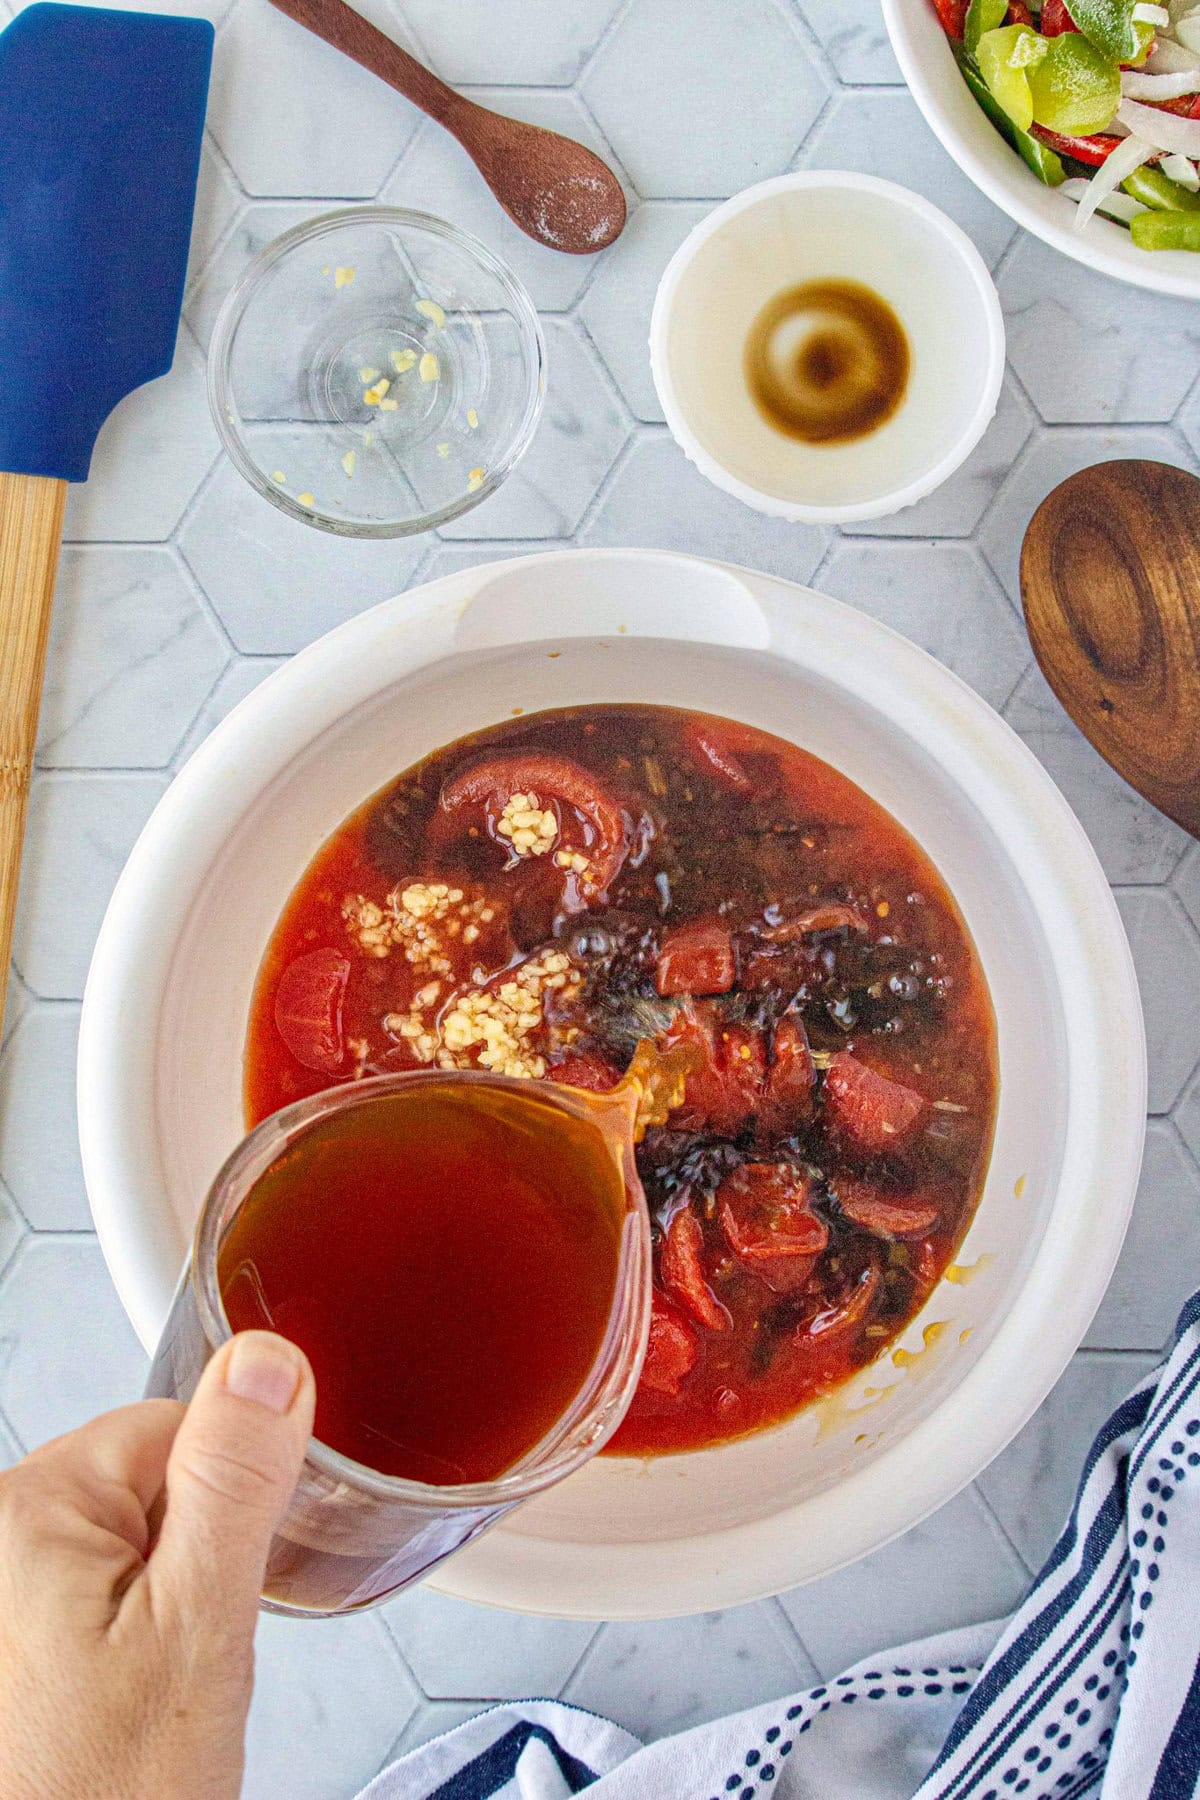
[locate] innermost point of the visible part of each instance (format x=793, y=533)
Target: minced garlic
x=529, y=828
x=421, y=918
x=373, y=395
x=431, y=310
x=430, y=368
x=402, y=360
x=489, y=1028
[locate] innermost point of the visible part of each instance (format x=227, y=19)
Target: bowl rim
x=990, y=378
x=1105, y=247
x=1050, y=1310
x=223, y=405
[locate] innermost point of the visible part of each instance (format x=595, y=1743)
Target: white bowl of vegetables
x=1080, y=118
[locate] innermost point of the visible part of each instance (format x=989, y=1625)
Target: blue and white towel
x=1092, y=1688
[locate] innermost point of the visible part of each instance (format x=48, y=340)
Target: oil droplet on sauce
x=827, y=361
x=904, y=1359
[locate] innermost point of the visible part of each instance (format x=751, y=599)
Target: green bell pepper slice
x=1044, y=162
x=1076, y=88
x=1155, y=189
x=982, y=15
x=1111, y=26
x=1005, y=57
x=1166, y=230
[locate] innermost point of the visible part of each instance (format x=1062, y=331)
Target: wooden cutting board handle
x=31, y=519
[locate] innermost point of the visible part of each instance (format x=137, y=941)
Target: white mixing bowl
x=927, y=64
x=160, y=1057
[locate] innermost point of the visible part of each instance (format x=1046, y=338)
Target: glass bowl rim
x=233, y=309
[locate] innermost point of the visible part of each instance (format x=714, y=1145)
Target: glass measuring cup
x=352, y=1537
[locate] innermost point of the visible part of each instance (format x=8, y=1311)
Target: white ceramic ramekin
x=817, y=226
x=165, y=1013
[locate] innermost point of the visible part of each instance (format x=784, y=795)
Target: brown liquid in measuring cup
x=447, y=1258
x=827, y=361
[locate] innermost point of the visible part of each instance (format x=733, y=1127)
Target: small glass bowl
x=376, y=372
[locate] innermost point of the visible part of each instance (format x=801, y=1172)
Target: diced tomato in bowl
x=684, y=1275
x=696, y=959
x=767, y=1217
x=672, y=1350
x=870, y=1111
x=308, y=1009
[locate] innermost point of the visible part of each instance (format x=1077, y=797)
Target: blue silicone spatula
x=101, y=118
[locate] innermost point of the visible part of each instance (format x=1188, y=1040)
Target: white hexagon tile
x=700, y=98
x=180, y=590
x=887, y=136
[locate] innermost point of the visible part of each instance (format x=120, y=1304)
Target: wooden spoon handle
x=356, y=37
x=31, y=517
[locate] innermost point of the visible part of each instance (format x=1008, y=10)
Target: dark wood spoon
x=553, y=188
x=1110, y=578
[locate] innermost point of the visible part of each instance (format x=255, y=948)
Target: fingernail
x=264, y=1368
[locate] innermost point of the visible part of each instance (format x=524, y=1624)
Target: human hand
x=132, y=1553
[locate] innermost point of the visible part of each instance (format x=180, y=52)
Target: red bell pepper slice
x=953, y=15
x=767, y=1218
x=683, y=1274
x=308, y=1009
x=1018, y=14
x=672, y=1351
x=1186, y=107
x=870, y=1111
x=1055, y=19
x=488, y=785
x=696, y=959
x=1092, y=150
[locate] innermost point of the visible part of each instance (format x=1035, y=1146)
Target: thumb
x=232, y=1469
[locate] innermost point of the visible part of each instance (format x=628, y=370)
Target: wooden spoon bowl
x=556, y=190
x=1110, y=580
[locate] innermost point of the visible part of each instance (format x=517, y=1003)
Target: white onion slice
x=1164, y=130
x=1122, y=207
x=1145, y=13
x=1170, y=58
x=1187, y=30
x=1184, y=173
x=1135, y=85
x=1119, y=163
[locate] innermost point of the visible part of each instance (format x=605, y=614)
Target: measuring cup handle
x=31, y=519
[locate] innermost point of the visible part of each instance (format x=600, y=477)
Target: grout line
x=792, y=1630
x=569, y=1677
x=1003, y=1530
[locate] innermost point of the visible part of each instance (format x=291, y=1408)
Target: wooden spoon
x=554, y=189
x=1110, y=578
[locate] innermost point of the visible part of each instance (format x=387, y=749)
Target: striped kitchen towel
x=1092, y=1688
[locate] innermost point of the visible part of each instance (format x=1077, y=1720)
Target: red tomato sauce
x=536, y=898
